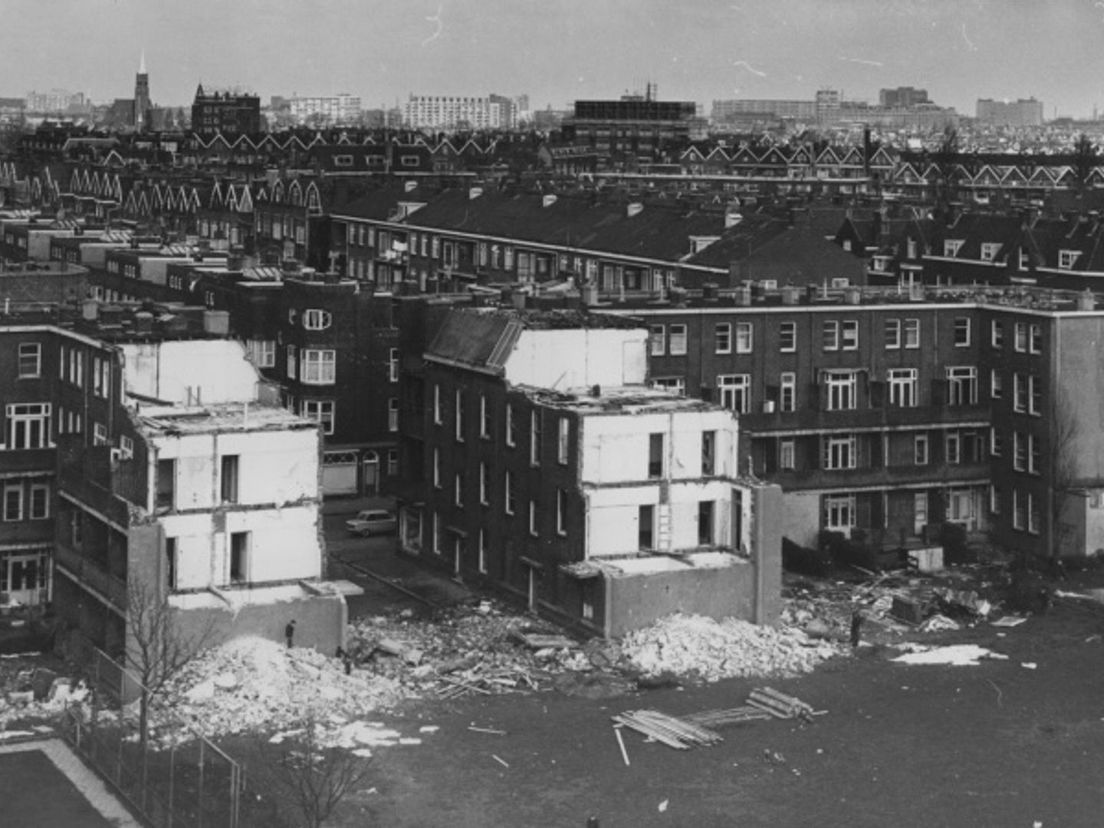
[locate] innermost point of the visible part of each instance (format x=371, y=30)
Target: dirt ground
x=998, y=744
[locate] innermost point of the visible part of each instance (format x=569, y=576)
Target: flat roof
x=234, y=416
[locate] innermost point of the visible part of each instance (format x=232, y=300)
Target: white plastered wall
x=575, y=358
x=218, y=368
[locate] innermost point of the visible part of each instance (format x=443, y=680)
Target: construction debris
x=696, y=646
x=781, y=706
x=669, y=730
x=730, y=716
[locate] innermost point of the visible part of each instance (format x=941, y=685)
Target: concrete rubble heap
x=711, y=650
x=252, y=684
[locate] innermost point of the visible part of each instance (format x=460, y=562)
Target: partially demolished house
x=192, y=489
x=555, y=473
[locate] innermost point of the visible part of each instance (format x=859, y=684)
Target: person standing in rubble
x=289, y=632
x=856, y=625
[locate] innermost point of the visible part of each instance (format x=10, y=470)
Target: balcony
x=92, y=575
x=891, y=477
x=764, y=424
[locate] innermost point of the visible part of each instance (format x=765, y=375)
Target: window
x=291, y=362
x=989, y=251
x=676, y=385
x=482, y=552
x=483, y=487
x=962, y=385
x=743, y=337
x=920, y=450
x=561, y=512
x=99, y=434
x=1036, y=345
x=994, y=499
x=645, y=533
x=511, y=426
x=436, y=468
x=657, y=340
x=239, y=557
x=40, y=501
x=708, y=453
x=1034, y=396
x=1019, y=393
x=28, y=425
x=952, y=447
x=849, y=335
x=170, y=563
x=1019, y=516
x=839, y=452
x=317, y=320
x=951, y=246
x=902, y=387
x=562, y=437
x=1033, y=516
x=484, y=418
x=839, y=512
x=30, y=360
x=677, y=345
x=786, y=455
x=321, y=411
x=1034, y=456
x=1066, y=258
x=392, y=462
x=393, y=365
x=787, y=391
x=229, y=478
x=458, y=405
x=996, y=334
x=319, y=367
x=13, y=501
x=655, y=455
x=892, y=334
x=511, y=498
x=533, y=518
x=722, y=338
x=735, y=392
x=458, y=490
x=1021, y=337
x=787, y=337
x=840, y=386
x=1019, y=451
x=262, y=352
x=830, y=336
x=534, y=437
x=962, y=332
x=165, y=496
x=392, y=414
x=705, y=523
x=995, y=384
x=912, y=333
x=437, y=404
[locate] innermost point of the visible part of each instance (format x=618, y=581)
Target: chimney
x=709, y=291
x=635, y=208
x=590, y=295
x=790, y=294
x=1086, y=301
x=143, y=322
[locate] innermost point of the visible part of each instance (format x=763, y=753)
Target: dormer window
x=699, y=243
x=1066, y=258
x=343, y=160
x=316, y=320
x=989, y=251
x=1025, y=259
x=951, y=246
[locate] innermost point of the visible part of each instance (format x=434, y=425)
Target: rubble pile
x=467, y=651
x=712, y=650
x=252, y=684
x=31, y=692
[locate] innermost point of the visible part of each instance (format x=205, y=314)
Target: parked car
x=372, y=522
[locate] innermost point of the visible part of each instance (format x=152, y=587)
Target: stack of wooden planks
x=669, y=730
x=780, y=705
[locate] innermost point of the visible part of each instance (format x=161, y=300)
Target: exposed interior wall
x=1080, y=378
x=320, y=622
x=801, y=517
x=218, y=368
x=576, y=358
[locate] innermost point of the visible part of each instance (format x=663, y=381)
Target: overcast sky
x=559, y=50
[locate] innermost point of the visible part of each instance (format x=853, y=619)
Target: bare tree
x=308, y=777
x=157, y=649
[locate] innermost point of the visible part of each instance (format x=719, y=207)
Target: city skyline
x=561, y=50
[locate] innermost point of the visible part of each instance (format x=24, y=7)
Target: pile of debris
x=32, y=692
x=252, y=684
x=469, y=651
x=710, y=650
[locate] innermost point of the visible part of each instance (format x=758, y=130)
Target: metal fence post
x=199, y=809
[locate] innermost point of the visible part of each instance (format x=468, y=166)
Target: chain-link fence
x=192, y=785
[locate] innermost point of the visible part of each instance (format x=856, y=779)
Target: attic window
x=1066, y=258
x=699, y=243
x=343, y=160
x=951, y=246
x=989, y=251
x=410, y=161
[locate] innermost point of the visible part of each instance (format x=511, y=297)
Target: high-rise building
x=903, y=96
x=459, y=112
x=337, y=110
x=1019, y=113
